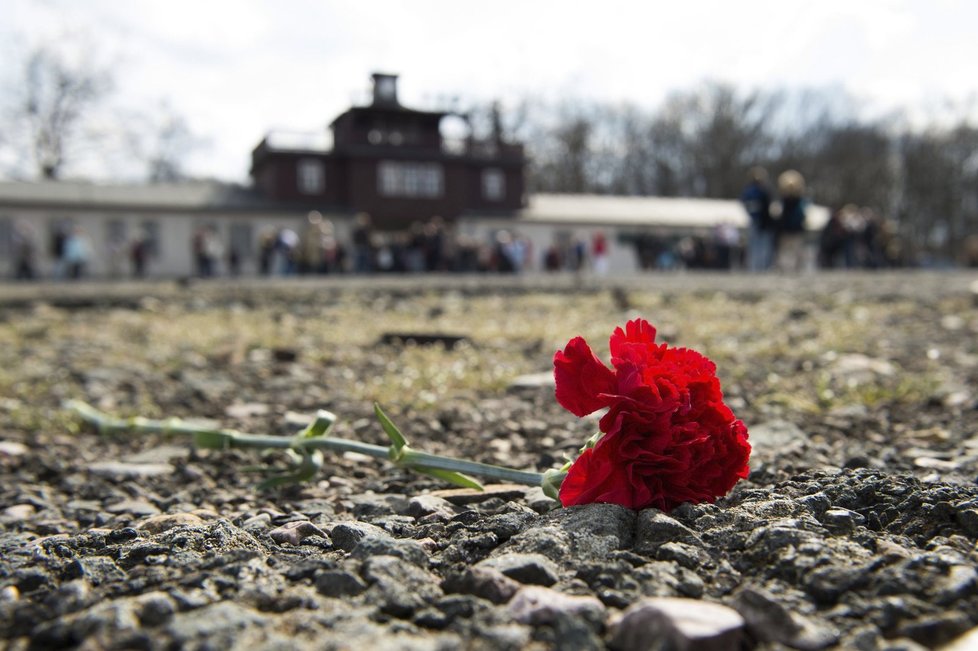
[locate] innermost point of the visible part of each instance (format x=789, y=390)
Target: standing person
x=434, y=245
x=872, y=236
x=791, y=222
x=76, y=253
x=831, y=242
x=266, y=251
x=310, y=248
x=286, y=243
x=331, y=255
x=213, y=249
x=138, y=254
x=760, y=235
x=577, y=255
x=852, y=224
x=726, y=239
x=200, y=256
x=23, y=247
x=363, y=249
x=599, y=253
x=58, y=240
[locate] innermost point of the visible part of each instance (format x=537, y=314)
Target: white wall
x=174, y=258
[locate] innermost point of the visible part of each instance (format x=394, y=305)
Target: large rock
x=165, y=521
x=538, y=605
x=484, y=582
x=216, y=626
x=770, y=621
x=575, y=534
x=293, y=533
x=681, y=624
x=402, y=588
x=654, y=528
x=534, y=569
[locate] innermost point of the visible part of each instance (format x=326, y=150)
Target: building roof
x=670, y=212
x=387, y=110
x=214, y=196
x=187, y=196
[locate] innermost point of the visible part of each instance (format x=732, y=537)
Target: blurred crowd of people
x=426, y=246
x=859, y=237
x=776, y=238
x=853, y=237
x=70, y=248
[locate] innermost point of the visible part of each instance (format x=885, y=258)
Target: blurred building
x=393, y=163
x=387, y=161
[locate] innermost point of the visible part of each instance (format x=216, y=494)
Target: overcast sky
x=239, y=68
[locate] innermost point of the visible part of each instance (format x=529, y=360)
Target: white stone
x=533, y=380
x=777, y=437
x=18, y=512
x=856, y=369
x=12, y=449
x=966, y=642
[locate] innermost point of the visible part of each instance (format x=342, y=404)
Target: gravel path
x=856, y=529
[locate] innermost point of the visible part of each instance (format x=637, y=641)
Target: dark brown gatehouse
x=393, y=162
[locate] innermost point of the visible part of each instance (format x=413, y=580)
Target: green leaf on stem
x=319, y=427
x=450, y=476
x=398, y=442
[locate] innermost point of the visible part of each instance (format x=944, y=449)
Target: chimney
x=385, y=89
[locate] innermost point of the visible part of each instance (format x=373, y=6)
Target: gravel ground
x=855, y=530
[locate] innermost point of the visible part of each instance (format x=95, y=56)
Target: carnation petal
x=635, y=344
x=583, y=381
x=596, y=477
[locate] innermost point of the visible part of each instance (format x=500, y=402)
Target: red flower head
x=668, y=438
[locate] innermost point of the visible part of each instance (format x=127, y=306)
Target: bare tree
x=53, y=101
x=58, y=117
x=571, y=148
x=698, y=143
x=939, y=204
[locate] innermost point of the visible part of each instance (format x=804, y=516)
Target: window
x=151, y=233
x=416, y=180
x=6, y=237
x=241, y=239
x=493, y=184
x=115, y=232
x=312, y=176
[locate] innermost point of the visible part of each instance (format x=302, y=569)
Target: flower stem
x=415, y=459
x=208, y=437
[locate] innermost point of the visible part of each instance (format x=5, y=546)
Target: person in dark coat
x=791, y=222
x=756, y=198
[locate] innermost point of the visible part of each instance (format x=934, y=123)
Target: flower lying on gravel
x=667, y=437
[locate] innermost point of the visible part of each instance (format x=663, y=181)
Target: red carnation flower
x=668, y=438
